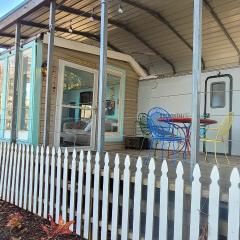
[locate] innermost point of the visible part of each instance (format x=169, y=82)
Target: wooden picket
x=96, y=197
x=150, y=200
x=87, y=197
x=116, y=181
x=30, y=193
x=80, y=195
x=6, y=173
x=73, y=189
x=36, y=183
x=26, y=180
x=3, y=169
x=20, y=203
x=137, y=201
x=14, y=173
x=104, y=228
x=18, y=174
x=40, y=190
x=65, y=186
x=163, y=220
x=125, y=204
x=195, y=204
x=178, y=205
x=234, y=206
x=59, y=185
x=213, y=207
x=10, y=173
x=52, y=186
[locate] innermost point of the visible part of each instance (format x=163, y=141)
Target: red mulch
x=31, y=226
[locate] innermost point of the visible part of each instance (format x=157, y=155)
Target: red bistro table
x=187, y=121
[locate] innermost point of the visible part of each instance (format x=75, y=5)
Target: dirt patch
x=31, y=225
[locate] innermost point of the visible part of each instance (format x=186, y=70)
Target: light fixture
x=70, y=27
x=91, y=17
x=44, y=69
x=120, y=9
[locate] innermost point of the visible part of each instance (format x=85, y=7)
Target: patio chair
x=142, y=122
x=164, y=131
x=222, y=134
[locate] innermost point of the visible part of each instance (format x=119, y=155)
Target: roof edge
x=82, y=47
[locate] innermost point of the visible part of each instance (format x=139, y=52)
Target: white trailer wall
x=174, y=94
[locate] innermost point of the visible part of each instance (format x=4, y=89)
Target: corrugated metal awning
x=157, y=33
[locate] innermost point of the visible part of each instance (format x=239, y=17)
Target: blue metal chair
x=164, y=131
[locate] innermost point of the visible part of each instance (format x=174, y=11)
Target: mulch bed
x=31, y=225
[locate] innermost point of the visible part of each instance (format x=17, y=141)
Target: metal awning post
x=15, y=84
x=196, y=82
x=102, y=76
x=49, y=72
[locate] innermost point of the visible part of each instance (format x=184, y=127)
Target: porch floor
x=224, y=167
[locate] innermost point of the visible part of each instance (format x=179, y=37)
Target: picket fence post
x=18, y=174
x=6, y=173
x=65, y=186
x=26, y=180
x=41, y=176
x=20, y=204
x=46, y=184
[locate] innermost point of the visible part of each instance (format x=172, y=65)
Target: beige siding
x=91, y=61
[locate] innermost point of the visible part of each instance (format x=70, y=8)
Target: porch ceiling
x=157, y=33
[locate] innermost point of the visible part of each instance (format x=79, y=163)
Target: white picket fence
x=100, y=199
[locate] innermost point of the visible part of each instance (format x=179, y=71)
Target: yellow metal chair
x=222, y=134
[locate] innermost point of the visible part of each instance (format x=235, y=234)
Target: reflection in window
x=25, y=90
x=217, y=97
x=112, y=104
x=9, y=100
x=1, y=82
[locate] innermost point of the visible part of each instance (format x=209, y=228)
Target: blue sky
x=8, y=5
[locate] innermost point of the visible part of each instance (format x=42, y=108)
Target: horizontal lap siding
x=91, y=61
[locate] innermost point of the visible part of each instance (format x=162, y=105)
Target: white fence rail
x=113, y=202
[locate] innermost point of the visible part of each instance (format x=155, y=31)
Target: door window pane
x=112, y=111
x=25, y=90
x=76, y=122
x=9, y=100
x=217, y=97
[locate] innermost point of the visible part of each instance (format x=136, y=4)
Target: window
x=9, y=99
x=24, y=98
x=217, y=96
x=113, y=106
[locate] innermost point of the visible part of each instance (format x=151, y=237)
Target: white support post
x=49, y=71
x=102, y=76
x=196, y=81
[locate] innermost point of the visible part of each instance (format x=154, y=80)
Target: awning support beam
x=120, y=25
x=15, y=84
x=49, y=72
x=102, y=76
x=196, y=82
x=163, y=20
x=221, y=25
